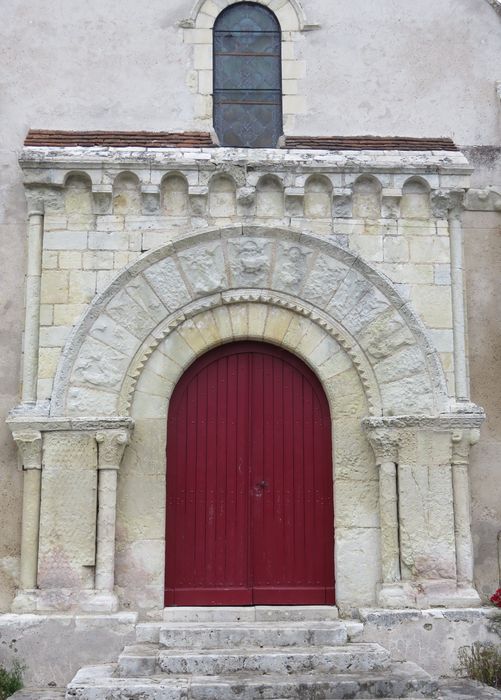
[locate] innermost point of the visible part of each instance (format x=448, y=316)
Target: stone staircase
x=304, y=653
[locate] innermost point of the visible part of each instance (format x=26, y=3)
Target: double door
x=249, y=482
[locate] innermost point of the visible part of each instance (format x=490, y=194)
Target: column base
x=396, y=595
x=25, y=602
x=64, y=600
x=427, y=594
x=100, y=602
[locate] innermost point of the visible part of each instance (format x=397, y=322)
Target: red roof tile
x=363, y=143
x=119, y=139
x=200, y=139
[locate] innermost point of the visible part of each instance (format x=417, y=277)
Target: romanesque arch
x=336, y=290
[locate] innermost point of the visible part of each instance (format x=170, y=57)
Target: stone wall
x=52, y=81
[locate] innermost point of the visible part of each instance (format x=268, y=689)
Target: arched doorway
x=249, y=482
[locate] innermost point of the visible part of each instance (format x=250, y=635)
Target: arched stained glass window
x=247, y=77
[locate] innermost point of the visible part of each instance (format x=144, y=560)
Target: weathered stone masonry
x=153, y=256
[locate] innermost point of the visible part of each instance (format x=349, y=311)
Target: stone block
x=54, y=289
x=82, y=287
x=47, y=315
x=97, y=260
x=108, y=240
x=294, y=104
x=368, y=247
x=53, y=336
x=146, y=406
x=402, y=273
x=67, y=314
x=293, y=69
x=70, y=260
x=151, y=383
x=356, y=503
x=291, y=267
x=357, y=549
x=396, y=249
x=100, y=365
x=167, y=283
x=109, y=222
x=68, y=535
x=426, y=249
x=257, y=320
x=204, y=267
x=47, y=362
x=141, y=507
x=49, y=260
x=277, y=323
x=65, y=240
x=202, y=57
x=91, y=402
x=433, y=304
x=140, y=574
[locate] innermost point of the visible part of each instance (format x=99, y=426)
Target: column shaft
x=388, y=508
x=106, y=519
x=32, y=313
x=458, y=308
x=462, y=524
x=30, y=528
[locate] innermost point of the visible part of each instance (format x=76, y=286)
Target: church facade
x=254, y=361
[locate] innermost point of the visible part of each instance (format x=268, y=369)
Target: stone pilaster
x=29, y=443
x=462, y=440
x=111, y=446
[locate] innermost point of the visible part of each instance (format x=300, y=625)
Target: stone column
x=32, y=313
x=111, y=446
x=458, y=305
x=29, y=443
x=385, y=446
x=461, y=443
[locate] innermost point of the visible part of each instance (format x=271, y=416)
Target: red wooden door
x=249, y=482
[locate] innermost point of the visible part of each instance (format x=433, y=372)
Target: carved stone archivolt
x=318, y=279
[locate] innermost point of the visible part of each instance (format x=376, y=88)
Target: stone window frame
x=198, y=32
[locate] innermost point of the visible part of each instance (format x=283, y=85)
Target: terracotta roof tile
x=362, y=143
x=119, y=139
x=200, y=139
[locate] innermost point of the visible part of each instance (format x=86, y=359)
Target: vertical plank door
x=249, y=482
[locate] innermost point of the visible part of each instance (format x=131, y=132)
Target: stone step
x=262, y=634
x=401, y=680
x=259, y=613
x=145, y=659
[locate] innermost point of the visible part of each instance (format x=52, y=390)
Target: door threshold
x=250, y=613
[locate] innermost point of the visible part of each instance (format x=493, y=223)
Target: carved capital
x=462, y=440
x=448, y=203
x=29, y=443
x=111, y=446
x=385, y=443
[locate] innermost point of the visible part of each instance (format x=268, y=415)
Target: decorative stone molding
x=456, y=420
x=29, y=443
x=487, y=199
x=384, y=443
x=196, y=310
x=111, y=446
x=156, y=293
